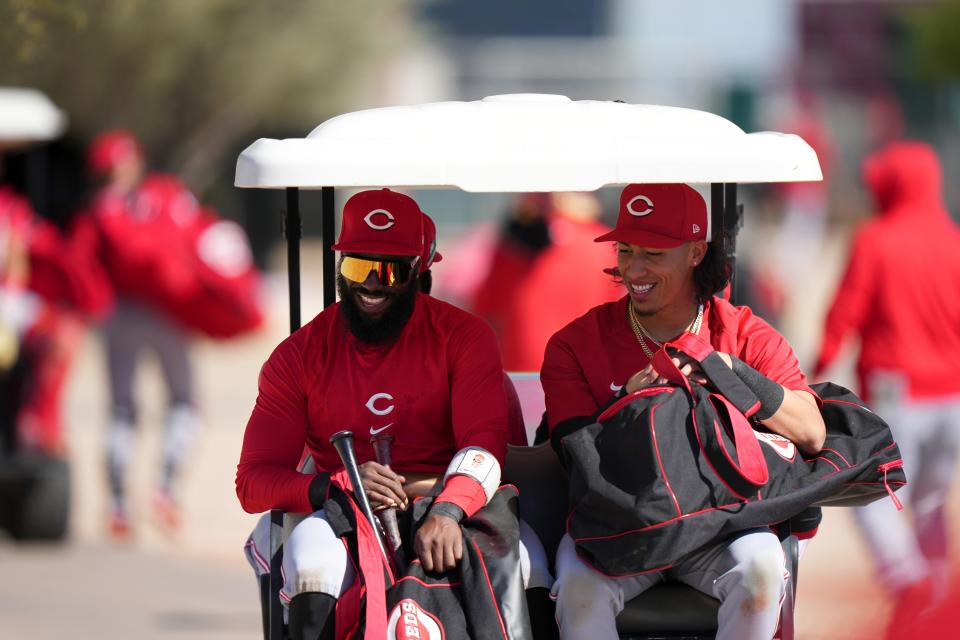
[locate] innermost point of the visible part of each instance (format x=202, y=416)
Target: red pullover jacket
x=901, y=290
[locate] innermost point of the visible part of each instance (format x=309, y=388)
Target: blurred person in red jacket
x=149, y=228
x=543, y=273
x=48, y=284
x=899, y=296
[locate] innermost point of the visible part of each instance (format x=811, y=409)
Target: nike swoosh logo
x=374, y=432
x=615, y=387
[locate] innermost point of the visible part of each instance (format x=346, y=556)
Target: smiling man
x=387, y=359
x=670, y=272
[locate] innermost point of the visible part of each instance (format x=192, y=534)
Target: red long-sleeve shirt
x=437, y=389
x=900, y=290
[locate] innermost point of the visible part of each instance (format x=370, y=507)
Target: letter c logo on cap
x=369, y=219
x=631, y=206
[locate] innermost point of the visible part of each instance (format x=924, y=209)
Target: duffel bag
x=481, y=599
x=225, y=300
x=670, y=469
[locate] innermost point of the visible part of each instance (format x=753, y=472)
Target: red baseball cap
x=110, y=149
x=430, y=253
x=660, y=216
x=381, y=222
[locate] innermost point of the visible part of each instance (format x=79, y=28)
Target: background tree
x=933, y=29
x=197, y=81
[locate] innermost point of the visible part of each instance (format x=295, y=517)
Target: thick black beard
x=387, y=327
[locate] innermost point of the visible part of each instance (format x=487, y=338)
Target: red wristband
x=465, y=492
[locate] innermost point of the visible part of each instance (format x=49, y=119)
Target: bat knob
x=340, y=435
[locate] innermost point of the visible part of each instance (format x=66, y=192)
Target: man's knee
x=762, y=579
x=314, y=560
x=578, y=588
x=315, y=572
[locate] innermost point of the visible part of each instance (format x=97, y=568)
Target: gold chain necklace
x=643, y=335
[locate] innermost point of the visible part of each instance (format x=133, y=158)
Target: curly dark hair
x=713, y=273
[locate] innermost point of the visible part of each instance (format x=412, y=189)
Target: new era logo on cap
x=381, y=222
x=659, y=216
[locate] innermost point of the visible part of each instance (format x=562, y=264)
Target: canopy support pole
x=292, y=230
x=328, y=217
x=726, y=218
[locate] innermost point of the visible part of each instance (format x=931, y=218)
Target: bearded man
x=385, y=359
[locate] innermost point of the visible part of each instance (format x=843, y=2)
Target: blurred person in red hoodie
x=136, y=216
x=899, y=296
x=543, y=273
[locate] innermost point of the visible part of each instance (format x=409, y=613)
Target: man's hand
x=383, y=487
x=646, y=377
x=690, y=368
x=726, y=358
x=439, y=543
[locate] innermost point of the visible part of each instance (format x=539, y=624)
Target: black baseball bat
x=342, y=441
x=383, y=447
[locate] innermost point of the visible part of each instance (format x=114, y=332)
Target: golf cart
x=527, y=143
x=34, y=482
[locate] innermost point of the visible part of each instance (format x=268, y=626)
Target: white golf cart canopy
x=525, y=142
x=518, y=143
x=27, y=115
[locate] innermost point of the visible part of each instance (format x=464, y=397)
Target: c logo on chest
x=384, y=409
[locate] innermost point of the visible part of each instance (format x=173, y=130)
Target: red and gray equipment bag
x=670, y=469
x=225, y=300
x=481, y=599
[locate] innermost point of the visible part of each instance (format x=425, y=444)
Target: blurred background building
x=199, y=81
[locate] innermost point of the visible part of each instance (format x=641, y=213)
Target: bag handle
x=746, y=472
x=723, y=378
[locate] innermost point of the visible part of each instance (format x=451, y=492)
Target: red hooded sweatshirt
x=901, y=290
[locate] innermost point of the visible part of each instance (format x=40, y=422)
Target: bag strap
x=723, y=378
x=747, y=471
x=373, y=568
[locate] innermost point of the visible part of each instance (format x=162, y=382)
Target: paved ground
x=98, y=590
x=198, y=586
